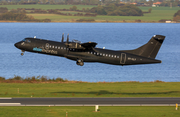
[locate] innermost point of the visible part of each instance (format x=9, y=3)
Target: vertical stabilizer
x=149, y=49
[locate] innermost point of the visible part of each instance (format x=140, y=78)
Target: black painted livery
x=87, y=52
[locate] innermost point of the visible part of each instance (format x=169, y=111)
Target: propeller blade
x=67, y=41
x=62, y=37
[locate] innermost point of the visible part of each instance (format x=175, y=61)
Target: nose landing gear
x=22, y=52
x=80, y=62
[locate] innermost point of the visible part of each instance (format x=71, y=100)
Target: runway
x=89, y=101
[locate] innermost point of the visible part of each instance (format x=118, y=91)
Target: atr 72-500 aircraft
x=86, y=52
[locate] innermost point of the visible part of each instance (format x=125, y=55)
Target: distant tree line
x=110, y=9
x=93, y=2
x=83, y=12
x=33, y=79
x=15, y=16
x=3, y=10
x=18, y=15
x=117, y=10
x=58, y=11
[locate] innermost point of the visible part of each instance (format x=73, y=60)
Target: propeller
x=67, y=41
x=62, y=37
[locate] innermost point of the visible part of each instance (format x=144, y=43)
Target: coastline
x=99, y=21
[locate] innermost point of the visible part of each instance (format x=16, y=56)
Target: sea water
x=115, y=36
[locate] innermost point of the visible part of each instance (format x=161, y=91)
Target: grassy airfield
x=89, y=112
x=80, y=89
x=83, y=89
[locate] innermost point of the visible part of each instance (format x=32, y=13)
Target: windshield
x=26, y=40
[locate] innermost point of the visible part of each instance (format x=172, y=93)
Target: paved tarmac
x=89, y=101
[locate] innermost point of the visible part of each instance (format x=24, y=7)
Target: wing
x=84, y=46
x=89, y=45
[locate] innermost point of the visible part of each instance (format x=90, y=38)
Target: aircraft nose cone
x=16, y=45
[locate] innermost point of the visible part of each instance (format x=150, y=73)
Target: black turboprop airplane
x=86, y=52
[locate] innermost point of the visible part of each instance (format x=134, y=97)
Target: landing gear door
x=123, y=58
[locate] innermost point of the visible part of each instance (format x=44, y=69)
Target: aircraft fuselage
x=82, y=54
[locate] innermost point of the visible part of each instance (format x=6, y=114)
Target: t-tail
x=150, y=49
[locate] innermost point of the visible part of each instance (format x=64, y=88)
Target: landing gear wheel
x=80, y=62
x=22, y=52
x=77, y=63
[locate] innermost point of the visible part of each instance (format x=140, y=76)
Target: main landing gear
x=80, y=62
x=22, y=52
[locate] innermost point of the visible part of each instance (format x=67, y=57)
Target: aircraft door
x=123, y=58
x=47, y=46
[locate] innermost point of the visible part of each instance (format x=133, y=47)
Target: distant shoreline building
x=156, y=4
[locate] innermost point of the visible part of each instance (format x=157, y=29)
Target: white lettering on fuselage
x=46, y=50
x=49, y=51
x=133, y=59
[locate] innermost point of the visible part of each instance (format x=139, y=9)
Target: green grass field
x=89, y=112
x=157, y=14
x=121, y=89
x=67, y=89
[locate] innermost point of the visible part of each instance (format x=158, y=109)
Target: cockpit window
x=26, y=40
